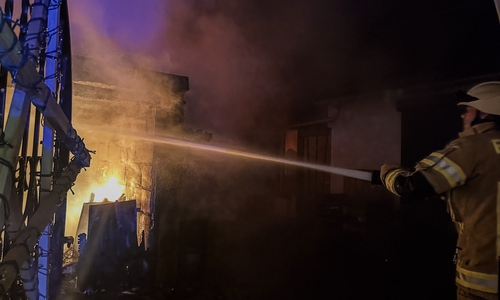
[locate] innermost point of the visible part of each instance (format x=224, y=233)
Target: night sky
x=254, y=66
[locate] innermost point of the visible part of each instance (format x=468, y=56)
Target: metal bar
x=50, y=162
x=23, y=22
x=25, y=5
x=23, y=161
x=3, y=95
x=32, y=198
x=9, y=153
x=9, y=5
x=9, y=8
x=36, y=29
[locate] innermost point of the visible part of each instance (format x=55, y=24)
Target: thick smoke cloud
x=248, y=62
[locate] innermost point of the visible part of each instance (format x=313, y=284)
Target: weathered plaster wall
x=365, y=134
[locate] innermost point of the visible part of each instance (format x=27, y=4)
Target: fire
x=112, y=191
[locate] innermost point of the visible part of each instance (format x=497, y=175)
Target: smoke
x=249, y=63
x=236, y=87
x=235, y=57
x=254, y=65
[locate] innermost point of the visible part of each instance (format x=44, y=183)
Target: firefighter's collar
x=477, y=129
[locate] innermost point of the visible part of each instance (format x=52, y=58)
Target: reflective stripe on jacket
x=469, y=170
x=478, y=281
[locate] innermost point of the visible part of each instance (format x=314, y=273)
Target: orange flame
x=112, y=191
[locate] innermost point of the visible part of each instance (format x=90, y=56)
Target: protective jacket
x=468, y=172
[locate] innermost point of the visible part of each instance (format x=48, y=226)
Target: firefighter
x=467, y=173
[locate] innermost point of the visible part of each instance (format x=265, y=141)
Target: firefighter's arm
x=405, y=183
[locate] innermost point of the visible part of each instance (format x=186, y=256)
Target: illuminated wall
x=109, y=113
x=121, y=165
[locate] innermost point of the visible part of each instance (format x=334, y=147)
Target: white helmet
x=488, y=97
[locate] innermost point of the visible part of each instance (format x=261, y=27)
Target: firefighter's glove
x=386, y=169
x=389, y=174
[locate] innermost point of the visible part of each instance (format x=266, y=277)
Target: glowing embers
x=111, y=191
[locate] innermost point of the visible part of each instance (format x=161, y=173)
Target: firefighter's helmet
x=488, y=97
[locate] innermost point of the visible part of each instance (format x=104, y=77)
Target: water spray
x=362, y=175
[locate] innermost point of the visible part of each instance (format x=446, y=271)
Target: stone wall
x=114, y=115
